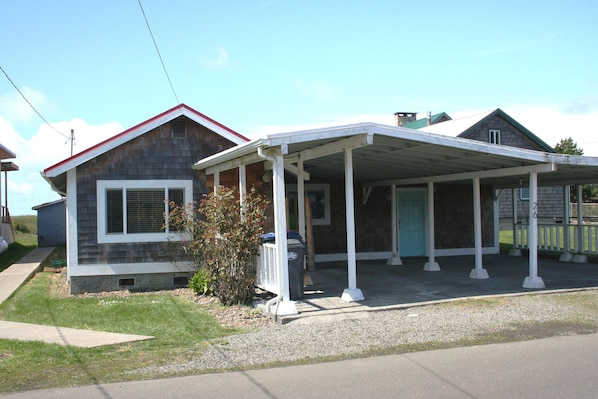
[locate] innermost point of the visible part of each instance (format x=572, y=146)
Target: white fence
x=268, y=276
x=560, y=237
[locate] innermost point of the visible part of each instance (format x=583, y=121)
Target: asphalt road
x=560, y=367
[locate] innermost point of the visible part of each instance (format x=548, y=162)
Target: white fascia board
x=303, y=136
x=464, y=144
x=135, y=132
x=213, y=127
x=242, y=150
x=112, y=143
x=130, y=268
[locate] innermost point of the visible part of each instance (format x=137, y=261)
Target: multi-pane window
x=138, y=210
x=319, y=200
x=494, y=136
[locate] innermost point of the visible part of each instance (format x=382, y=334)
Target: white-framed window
x=494, y=136
x=137, y=210
x=524, y=193
x=319, y=198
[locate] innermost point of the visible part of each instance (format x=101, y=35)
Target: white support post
x=431, y=265
x=478, y=272
x=352, y=293
x=580, y=257
x=301, y=199
x=216, y=181
x=242, y=185
x=533, y=280
x=515, y=251
x=286, y=307
x=567, y=256
x=395, y=259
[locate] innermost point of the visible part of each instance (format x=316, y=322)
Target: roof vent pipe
x=429, y=118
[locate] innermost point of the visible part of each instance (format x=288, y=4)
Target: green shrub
x=21, y=228
x=201, y=282
x=225, y=240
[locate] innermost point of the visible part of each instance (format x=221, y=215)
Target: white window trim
x=316, y=187
x=494, y=136
x=522, y=194
x=103, y=185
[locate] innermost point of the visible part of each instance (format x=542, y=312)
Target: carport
x=379, y=155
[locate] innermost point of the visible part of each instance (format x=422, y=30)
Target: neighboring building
x=6, y=231
x=51, y=223
x=496, y=127
x=116, y=195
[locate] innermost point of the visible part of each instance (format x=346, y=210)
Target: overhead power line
x=158, y=51
x=31, y=105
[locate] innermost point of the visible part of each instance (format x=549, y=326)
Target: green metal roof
x=418, y=124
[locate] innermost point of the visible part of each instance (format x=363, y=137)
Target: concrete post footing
x=515, y=252
x=432, y=267
x=533, y=282
x=479, y=274
x=394, y=261
x=352, y=295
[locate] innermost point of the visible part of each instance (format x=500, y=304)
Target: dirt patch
x=238, y=316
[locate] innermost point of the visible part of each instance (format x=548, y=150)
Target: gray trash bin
x=296, y=257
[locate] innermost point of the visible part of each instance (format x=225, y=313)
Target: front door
x=412, y=222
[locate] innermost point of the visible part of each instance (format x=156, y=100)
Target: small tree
x=224, y=238
x=570, y=147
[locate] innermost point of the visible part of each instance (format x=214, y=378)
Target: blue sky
x=265, y=66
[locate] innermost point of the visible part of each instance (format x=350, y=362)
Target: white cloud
x=553, y=123
x=16, y=109
x=26, y=187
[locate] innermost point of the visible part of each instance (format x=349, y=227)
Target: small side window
x=494, y=136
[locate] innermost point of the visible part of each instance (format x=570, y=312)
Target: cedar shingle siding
x=154, y=155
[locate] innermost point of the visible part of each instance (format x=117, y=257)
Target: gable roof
x=423, y=122
x=459, y=127
x=138, y=130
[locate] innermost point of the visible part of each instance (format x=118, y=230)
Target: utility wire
x=31, y=105
x=158, y=51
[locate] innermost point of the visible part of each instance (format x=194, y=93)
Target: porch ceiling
x=392, y=155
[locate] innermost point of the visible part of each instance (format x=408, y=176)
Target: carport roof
x=385, y=155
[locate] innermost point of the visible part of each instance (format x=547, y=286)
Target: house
x=6, y=232
x=116, y=193
x=386, y=192
x=497, y=127
x=51, y=223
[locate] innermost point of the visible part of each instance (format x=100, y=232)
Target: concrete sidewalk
x=18, y=274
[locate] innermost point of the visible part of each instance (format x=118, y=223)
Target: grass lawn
x=182, y=330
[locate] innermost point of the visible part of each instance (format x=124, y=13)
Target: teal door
x=412, y=222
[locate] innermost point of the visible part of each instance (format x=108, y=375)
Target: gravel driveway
x=471, y=321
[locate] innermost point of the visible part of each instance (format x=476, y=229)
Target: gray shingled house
x=497, y=127
x=116, y=196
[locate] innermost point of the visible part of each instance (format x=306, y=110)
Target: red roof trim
x=124, y=133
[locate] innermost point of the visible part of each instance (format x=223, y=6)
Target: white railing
x=268, y=275
x=560, y=237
